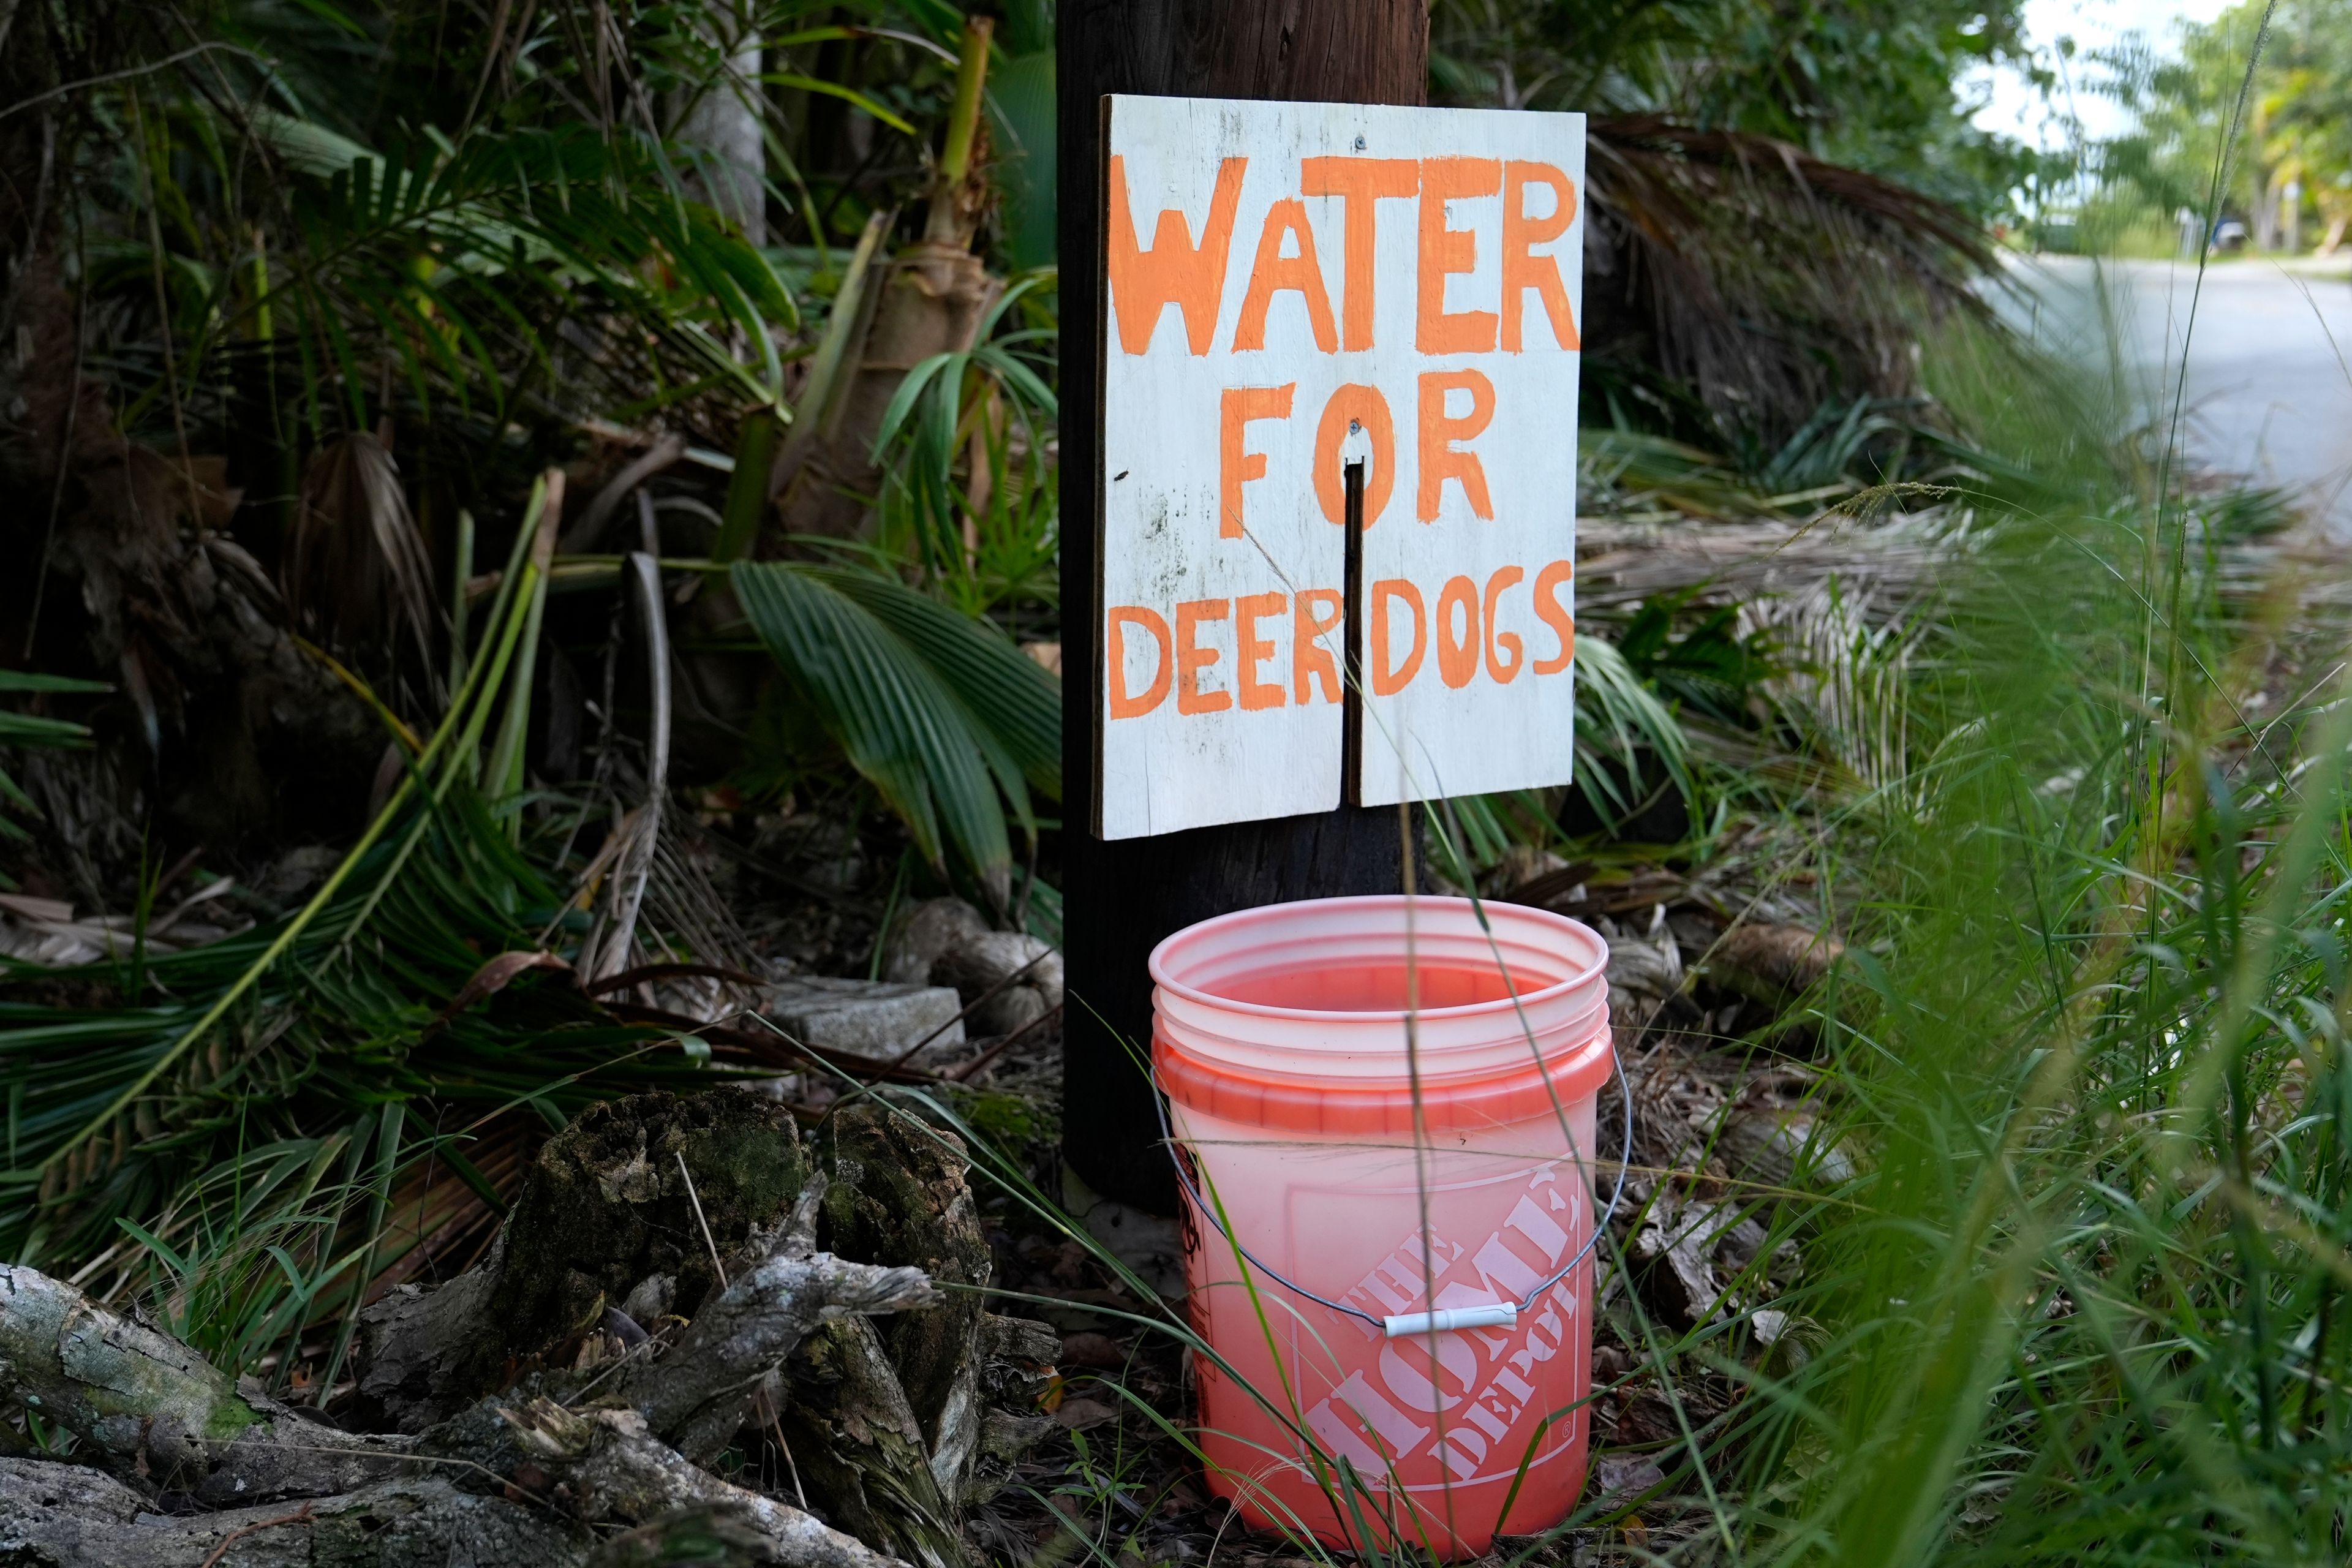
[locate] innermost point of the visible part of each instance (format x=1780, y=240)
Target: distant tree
x=2226, y=126
x=1875, y=85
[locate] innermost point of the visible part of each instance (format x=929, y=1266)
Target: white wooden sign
x=1289, y=288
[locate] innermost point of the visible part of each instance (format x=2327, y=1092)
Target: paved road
x=2267, y=392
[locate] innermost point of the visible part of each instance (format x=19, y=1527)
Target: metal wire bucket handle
x=1396, y=1325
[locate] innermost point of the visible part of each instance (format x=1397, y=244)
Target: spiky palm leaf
x=940, y=712
x=303, y=1037
x=456, y=260
x=932, y=420
x=1765, y=278
x=36, y=730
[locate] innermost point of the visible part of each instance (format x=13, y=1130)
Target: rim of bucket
x=1160, y=977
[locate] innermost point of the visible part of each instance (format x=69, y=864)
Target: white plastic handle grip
x=1495, y=1315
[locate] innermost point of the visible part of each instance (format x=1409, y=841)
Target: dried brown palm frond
x=356, y=575
x=1765, y=279
x=1846, y=658
x=1622, y=564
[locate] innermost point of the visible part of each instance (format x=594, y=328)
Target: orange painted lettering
x=1236, y=465
x=1355, y=405
x=1503, y=671
x=1446, y=251
x=1174, y=271
x=1563, y=624
x=1123, y=706
x=1275, y=272
x=1317, y=615
x=1191, y=659
x=1439, y=430
x=1251, y=652
x=1388, y=678
x=1522, y=268
x=1457, y=659
x=1359, y=184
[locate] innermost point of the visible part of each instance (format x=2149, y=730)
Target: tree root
x=140, y=1402
x=517, y=1481
x=592, y=1449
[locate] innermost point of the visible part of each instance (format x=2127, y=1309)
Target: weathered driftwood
x=696, y=1394
x=63, y=1516
x=533, y=1483
x=537, y=1419
x=139, y=1401
x=859, y=1447
x=605, y=1219
x=901, y=1196
x=884, y=1421
x=151, y=1409
x=1017, y=1357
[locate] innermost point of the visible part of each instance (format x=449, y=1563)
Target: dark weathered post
x=1123, y=898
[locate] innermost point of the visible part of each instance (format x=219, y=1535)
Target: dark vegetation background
x=1998, y=1212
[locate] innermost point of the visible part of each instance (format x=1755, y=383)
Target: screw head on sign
x=1360, y=143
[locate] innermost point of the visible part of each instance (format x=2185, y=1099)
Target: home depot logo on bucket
x=1471, y=1399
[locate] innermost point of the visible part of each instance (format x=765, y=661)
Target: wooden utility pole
x=1122, y=897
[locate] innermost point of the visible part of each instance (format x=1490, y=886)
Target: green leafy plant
x=949, y=721
x=1709, y=666
x=34, y=730
x=981, y=406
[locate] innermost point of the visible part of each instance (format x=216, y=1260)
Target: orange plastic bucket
x=1389, y=1242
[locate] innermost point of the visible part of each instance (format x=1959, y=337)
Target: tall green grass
x=2070, y=1287
x=2081, y=1306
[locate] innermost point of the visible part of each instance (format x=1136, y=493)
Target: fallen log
x=658, y=1296
x=151, y=1410
x=541, y=1482
x=56, y=1515
x=140, y=1401
x=608, y=1217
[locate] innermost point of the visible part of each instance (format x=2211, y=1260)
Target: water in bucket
x=1389, y=1105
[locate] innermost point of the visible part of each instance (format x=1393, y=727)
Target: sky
x=2015, y=107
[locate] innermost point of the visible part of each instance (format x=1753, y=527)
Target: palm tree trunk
x=931, y=300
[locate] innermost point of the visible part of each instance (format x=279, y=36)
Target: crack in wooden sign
x=1314, y=313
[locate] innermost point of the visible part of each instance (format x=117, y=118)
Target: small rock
x=649, y=1299
x=929, y=930
x=1521, y=865
x=874, y=1019
x=1625, y=1474
x=1768, y=1325
x=1078, y=1415
x=1773, y=964
x=1646, y=968
x=1762, y=1144
x=980, y=963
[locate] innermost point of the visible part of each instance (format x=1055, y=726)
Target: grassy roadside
x=2079, y=1304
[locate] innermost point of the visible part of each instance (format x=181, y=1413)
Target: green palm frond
x=940, y=712
x=1620, y=720
x=149, y=1107
x=36, y=730
x=931, y=421
x=456, y=262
